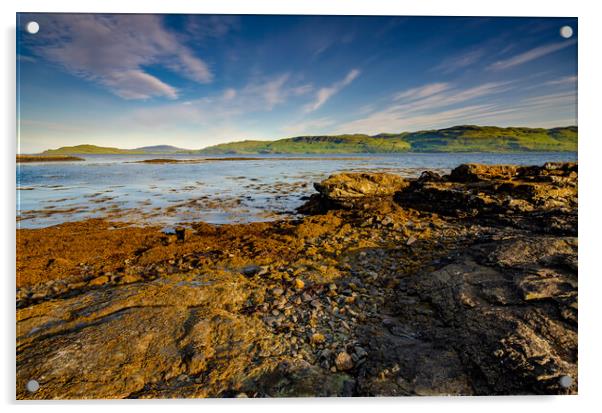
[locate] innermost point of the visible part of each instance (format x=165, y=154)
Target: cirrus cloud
x=326, y=93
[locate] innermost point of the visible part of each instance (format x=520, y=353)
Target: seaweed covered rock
x=505, y=194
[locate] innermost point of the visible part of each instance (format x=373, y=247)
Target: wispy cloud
x=421, y=92
x=24, y=58
x=431, y=104
x=326, y=93
x=453, y=104
x=566, y=80
x=530, y=55
x=308, y=127
x=201, y=27
x=114, y=50
x=225, y=107
x=462, y=61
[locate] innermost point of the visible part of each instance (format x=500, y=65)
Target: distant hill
x=90, y=150
x=465, y=138
x=101, y=150
x=158, y=149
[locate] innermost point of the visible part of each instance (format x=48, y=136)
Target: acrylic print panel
x=284, y=206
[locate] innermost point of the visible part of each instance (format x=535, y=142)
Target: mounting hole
x=32, y=386
x=566, y=32
x=32, y=27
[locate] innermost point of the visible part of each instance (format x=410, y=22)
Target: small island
x=45, y=158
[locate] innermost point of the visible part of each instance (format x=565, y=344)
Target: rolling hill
x=90, y=150
x=101, y=150
x=158, y=149
x=466, y=138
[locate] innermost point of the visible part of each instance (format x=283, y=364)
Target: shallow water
x=116, y=187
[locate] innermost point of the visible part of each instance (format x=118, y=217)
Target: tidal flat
x=457, y=281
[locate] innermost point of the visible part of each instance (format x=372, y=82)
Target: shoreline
x=441, y=284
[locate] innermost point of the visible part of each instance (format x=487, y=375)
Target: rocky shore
x=462, y=284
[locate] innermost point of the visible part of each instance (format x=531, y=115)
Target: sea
x=212, y=189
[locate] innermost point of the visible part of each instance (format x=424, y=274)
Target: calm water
x=216, y=191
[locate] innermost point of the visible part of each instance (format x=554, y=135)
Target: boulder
x=349, y=186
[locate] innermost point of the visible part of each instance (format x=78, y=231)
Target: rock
x=345, y=186
x=317, y=338
x=277, y=292
x=180, y=233
x=123, y=339
x=529, y=197
x=411, y=240
x=130, y=278
x=478, y=172
x=343, y=361
x=250, y=270
x=99, y=281
x=360, y=352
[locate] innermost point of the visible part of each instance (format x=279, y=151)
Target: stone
x=343, y=361
x=250, y=270
x=317, y=338
x=345, y=186
x=103, y=279
x=299, y=284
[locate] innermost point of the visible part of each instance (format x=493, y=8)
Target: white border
x=589, y=153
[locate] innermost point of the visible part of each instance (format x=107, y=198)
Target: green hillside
x=90, y=150
x=466, y=138
x=313, y=144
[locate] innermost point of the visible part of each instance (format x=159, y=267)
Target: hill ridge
x=460, y=138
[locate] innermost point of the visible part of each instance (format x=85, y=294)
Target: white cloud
x=422, y=91
x=427, y=106
x=229, y=94
x=530, y=55
x=225, y=107
x=136, y=84
x=477, y=104
x=460, y=62
x=567, y=80
x=326, y=93
x=113, y=50
x=309, y=127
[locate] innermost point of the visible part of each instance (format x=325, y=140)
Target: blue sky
x=198, y=80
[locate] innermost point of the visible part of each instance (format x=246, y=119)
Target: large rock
x=346, y=186
x=543, y=196
x=154, y=339
x=510, y=310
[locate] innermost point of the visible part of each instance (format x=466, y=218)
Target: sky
x=198, y=80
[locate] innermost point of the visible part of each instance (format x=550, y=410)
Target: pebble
x=343, y=361
x=318, y=338
x=277, y=292
x=360, y=352
x=103, y=279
